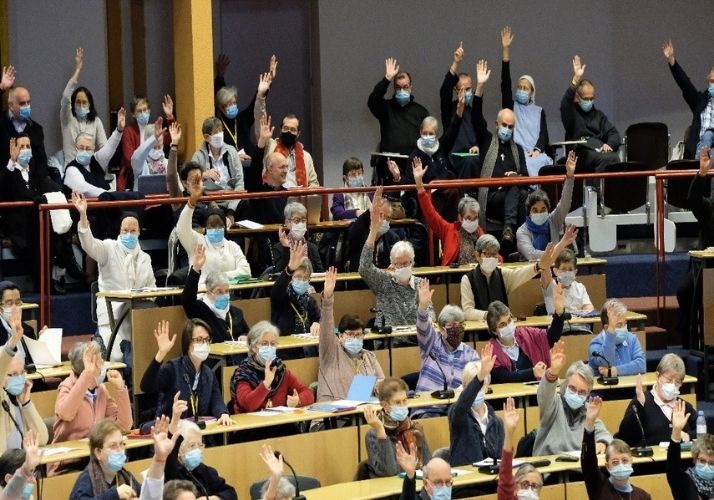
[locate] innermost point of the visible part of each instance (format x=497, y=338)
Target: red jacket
x=448, y=232
x=248, y=399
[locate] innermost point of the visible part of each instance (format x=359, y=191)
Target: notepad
x=249, y=224
x=361, y=388
x=47, y=351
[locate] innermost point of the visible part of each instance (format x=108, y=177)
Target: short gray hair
x=76, y=355
x=470, y=371
x=285, y=489
x=83, y=135
x=431, y=122
x=580, y=368
x=260, y=330
x=401, y=248
x=225, y=94
x=670, y=362
x=468, y=204
x=186, y=427
x=305, y=265
x=451, y=313
x=495, y=310
x=487, y=242
x=294, y=207
x=215, y=279
x=524, y=469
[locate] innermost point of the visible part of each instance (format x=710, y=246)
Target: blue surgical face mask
x=222, y=301
x=142, y=118
x=116, y=461
x=620, y=335
x=25, y=112
x=215, y=235
x=704, y=471
x=24, y=157
x=441, y=493
x=468, y=97
x=402, y=96
x=80, y=111
x=522, y=96
x=480, y=399
x=398, y=413
x=505, y=133
x=299, y=286
x=193, y=458
x=428, y=141
x=355, y=181
x=231, y=111
x=621, y=471
x=84, y=157
x=129, y=240
x=15, y=384
x=585, y=104
x=711, y=90
x=353, y=346
x=540, y=218
x=266, y=352
x=27, y=490
x=574, y=400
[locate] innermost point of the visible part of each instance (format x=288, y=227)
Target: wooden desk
x=65, y=369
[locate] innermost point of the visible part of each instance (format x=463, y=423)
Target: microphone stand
x=643, y=450
x=609, y=379
x=383, y=330
x=445, y=393
x=297, y=496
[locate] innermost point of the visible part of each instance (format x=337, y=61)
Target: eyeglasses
x=116, y=446
x=299, y=221
x=704, y=462
x=201, y=340
x=266, y=344
x=195, y=446
x=354, y=334
x=579, y=393
x=527, y=485
x=10, y=303
x=442, y=482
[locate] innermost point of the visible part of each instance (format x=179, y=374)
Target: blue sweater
x=627, y=357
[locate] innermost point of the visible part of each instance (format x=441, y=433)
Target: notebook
x=47, y=351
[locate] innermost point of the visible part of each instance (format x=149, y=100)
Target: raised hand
x=668, y=51
x=179, y=407
x=539, y=370
x=705, y=161
x=461, y=103
x=593, y=407
x=639, y=390
x=330, y=281
x=370, y=416
x=482, y=72
x=407, y=461
x=558, y=299
x=78, y=59
x=297, y=254
x=121, y=119
x=14, y=149
x=376, y=215
x=506, y=37
x=33, y=452
x=24, y=396
x=168, y=105
x=163, y=341
x=679, y=417
x=195, y=190
x=315, y=327
x=547, y=257
x=487, y=361
x=459, y=54
x=8, y=77
x=92, y=359
x=266, y=131
x=283, y=237
x=418, y=171
x=394, y=170
x=570, y=164
x=16, y=325
x=199, y=257
x=269, y=373
x=275, y=464
x=557, y=357
x=175, y=132
x=115, y=378
x=264, y=82
x=293, y=400
x=424, y=293
x=510, y=416
x=568, y=238
x=163, y=444
x=273, y=66
x=578, y=69
x=222, y=63
x=158, y=128
x=391, y=68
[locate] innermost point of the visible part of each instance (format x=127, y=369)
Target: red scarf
x=300, y=171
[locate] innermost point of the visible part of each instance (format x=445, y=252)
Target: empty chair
x=152, y=184
x=628, y=193
x=553, y=190
x=648, y=143
x=677, y=189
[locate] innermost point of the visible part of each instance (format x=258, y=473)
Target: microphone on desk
x=383, y=329
x=445, y=393
x=643, y=450
x=6, y=407
x=297, y=496
x=609, y=380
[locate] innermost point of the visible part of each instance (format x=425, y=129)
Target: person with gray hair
x=301, y=167
x=562, y=417
x=445, y=343
x=278, y=487
x=654, y=407
x=488, y=282
x=148, y=158
x=616, y=343
x=296, y=224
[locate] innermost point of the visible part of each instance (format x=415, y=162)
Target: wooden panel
x=354, y=302
x=552, y=492
x=654, y=484
x=254, y=310
x=44, y=401
x=708, y=302
x=404, y=360
x=523, y=299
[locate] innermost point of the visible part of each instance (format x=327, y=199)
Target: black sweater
x=507, y=102
x=702, y=208
x=398, y=125
x=206, y=479
x=32, y=129
x=681, y=485
x=281, y=257
x=696, y=100
x=357, y=237
x=438, y=165
x=658, y=428
x=220, y=328
x=592, y=125
x=282, y=313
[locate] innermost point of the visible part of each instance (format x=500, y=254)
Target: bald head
x=277, y=169
x=436, y=473
x=16, y=98
x=506, y=115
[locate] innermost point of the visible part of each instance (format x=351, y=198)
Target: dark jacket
x=468, y=443
x=177, y=375
x=696, y=100
x=16, y=189
x=83, y=490
x=206, y=479
x=32, y=129
x=238, y=132
x=357, y=236
x=229, y=328
x=439, y=166
x=281, y=257
x=282, y=313
x=398, y=125
x=592, y=125
x=658, y=428
x=703, y=209
x=507, y=102
x=94, y=176
x=681, y=484
x=505, y=161
x=339, y=212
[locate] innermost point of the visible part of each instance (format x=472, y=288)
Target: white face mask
x=528, y=494
x=402, y=274
x=200, y=351
x=669, y=391
x=470, y=226
x=298, y=230
x=217, y=140
x=156, y=154
x=488, y=264
x=6, y=312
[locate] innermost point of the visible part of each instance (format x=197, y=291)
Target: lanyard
x=234, y=134
x=194, y=404
x=303, y=319
x=230, y=324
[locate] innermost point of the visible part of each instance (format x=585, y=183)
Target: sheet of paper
x=47, y=351
x=249, y=224
x=266, y=413
x=58, y=450
x=489, y=461
x=347, y=402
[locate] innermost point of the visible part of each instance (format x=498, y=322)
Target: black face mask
x=288, y=139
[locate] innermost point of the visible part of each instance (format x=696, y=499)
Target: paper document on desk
x=47, y=351
x=454, y=472
x=489, y=461
x=57, y=450
x=152, y=289
x=249, y=224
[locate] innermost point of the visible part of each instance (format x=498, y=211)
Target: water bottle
x=701, y=424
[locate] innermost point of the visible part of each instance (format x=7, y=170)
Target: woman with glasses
x=296, y=224
x=654, y=408
x=342, y=356
x=696, y=482
x=186, y=375
x=262, y=380
x=527, y=482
